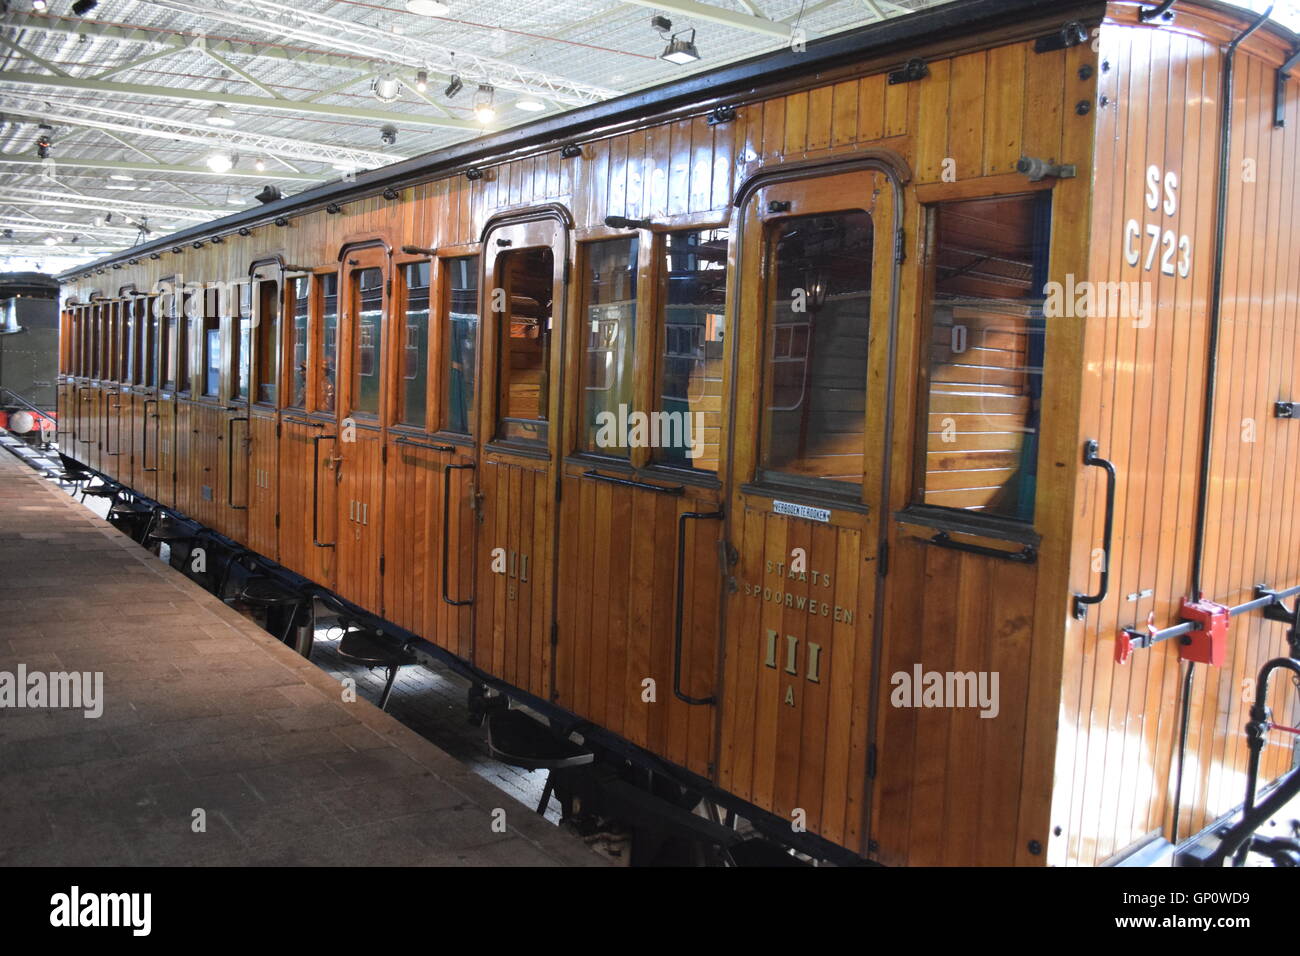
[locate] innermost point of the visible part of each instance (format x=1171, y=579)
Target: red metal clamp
x=1209, y=644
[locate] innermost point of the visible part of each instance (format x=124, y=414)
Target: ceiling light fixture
x=40, y=6
x=485, y=110
x=82, y=7
x=386, y=87
x=220, y=115
x=51, y=240
x=680, y=50
x=259, y=164
x=427, y=8
x=530, y=105
x=454, y=87
x=221, y=162
x=422, y=81
x=122, y=178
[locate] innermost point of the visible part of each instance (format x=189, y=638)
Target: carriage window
x=610, y=333
x=150, y=344
x=210, y=343
x=415, y=346
x=298, y=342
x=985, y=370
x=462, y=341
x=368, y=303
x=242, y=344
x=268, y=340
x=329, y=285
x=130, y=344
x=166, y=317
x=815, y=376
x=114, y=351
x=97, y=333
x=188, y=315
x=692, y=325
x=525, y=344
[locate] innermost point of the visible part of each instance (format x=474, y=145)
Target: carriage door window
x=368, y=304
x=815, y=366
x=329, y=324
x=243, y=340
x=130, y=342
x=268, y=340
x=692, y=325
x=189, y=311
x=298, y=342
x=462, y=342
x=414, y=361
x=525, y=344
x=984, y=381
x=151, y=343
x=610, y=333
x=210, y=345
x=166, y=315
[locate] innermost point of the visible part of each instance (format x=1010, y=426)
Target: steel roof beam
x=127, y=166
x=323, y=110
x=174, y=130
x=719, y=15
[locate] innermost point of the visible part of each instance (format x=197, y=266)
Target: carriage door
x=359, y=464
x=805, y=488
x=514, y=480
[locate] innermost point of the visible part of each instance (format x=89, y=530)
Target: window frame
x=442, y=346
x=398, y=308
x=917, y=510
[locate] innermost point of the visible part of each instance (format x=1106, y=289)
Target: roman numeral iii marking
x=814, y=656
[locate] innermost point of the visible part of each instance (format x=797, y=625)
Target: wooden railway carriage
x=721, y=416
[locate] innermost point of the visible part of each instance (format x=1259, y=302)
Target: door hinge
x=568, y=268
x=871, y=762
x=388, y=287
x=555, y=633
x=277, y=520
x=278, y=426
x=900, y=246
x=385, y=454
x=381, y=565
x=882, y=561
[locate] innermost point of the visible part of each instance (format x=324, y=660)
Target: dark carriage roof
x=901, y=34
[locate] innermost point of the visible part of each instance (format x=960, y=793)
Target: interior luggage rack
x=1204, y=629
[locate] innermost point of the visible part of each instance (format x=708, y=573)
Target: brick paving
x=204, y=711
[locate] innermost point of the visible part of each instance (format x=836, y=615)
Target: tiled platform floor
x=206, y=712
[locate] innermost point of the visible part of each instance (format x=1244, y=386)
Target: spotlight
x=386, y=88
x=427, y=8
x=422, y=81
x=530, y=105
x=388, y=135
x=259, y=164
x=220, y=115
x=680, y=50
x=221, y=162
x=43, y=142
x=484, y=110
x=40, y=6
x=82, y=7
x=51, y=240
x=269, y=193
x=454, y=87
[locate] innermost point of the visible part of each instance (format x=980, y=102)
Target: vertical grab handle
x=230, y=464
x=77, y=399
x=315, y=491
x=446, y=535
x=144, y=442
x=1081, y=601
x=681, y=601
